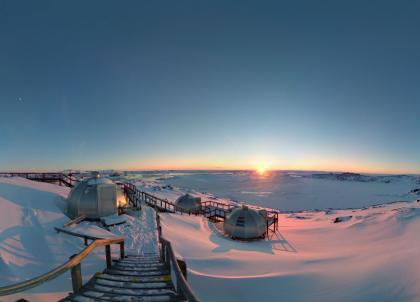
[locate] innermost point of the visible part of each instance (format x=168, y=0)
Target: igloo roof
x=98, y=181
x=188, y=202
x=93, y=197
x=245, y=223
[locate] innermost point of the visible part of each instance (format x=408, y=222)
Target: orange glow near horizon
x=261, y=164
x=263, y=169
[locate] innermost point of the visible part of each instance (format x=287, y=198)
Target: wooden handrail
x=182, y=285
x=168, y=255
x=73, y=262
x=154, y=201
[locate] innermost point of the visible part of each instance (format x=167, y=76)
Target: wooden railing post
x=167, y=256
x=159, y=231
x=122, y=252
x=108, y=256
x=76, y=277
x=183, y=266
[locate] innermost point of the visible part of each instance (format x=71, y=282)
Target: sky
x=318, y=85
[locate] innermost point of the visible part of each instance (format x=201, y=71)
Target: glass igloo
x=94, y=197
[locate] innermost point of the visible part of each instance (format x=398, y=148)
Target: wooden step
x=133, y=260
x=139, y=269
x=100, y=296
x=141, y=260
x=129, y=260
x=130, y=291
x=139, y=264
x=112, y=271
x=134, y=279
x=152, y=256
x=127, y=284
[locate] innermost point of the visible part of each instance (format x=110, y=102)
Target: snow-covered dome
x=94, y=197
x=189, y=203
x=245, y=223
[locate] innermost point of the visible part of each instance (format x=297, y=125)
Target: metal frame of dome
x=245, y=223
x=189, y=202
x=93, y=198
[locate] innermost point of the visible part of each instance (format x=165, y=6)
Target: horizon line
x=397, y=172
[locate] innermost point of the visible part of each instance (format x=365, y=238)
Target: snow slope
x=370, y=256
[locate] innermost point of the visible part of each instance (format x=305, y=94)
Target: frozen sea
x=293, y=191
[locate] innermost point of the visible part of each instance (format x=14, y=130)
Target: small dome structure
x=245, y=223
x=94, y=197
x=189, y=202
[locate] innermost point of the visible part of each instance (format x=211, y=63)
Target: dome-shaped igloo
x=94, y=197
x=245, y=223
x=189, y=202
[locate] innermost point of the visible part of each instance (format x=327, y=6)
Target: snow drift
x=372, y=255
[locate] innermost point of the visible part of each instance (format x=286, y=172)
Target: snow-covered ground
x=139, y=231
x=29, y=245
x=370, y=254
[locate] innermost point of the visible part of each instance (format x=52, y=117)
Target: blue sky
x=210, y=84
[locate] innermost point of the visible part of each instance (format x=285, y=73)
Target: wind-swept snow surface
x=372, y=255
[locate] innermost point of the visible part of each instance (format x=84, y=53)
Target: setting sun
x=261, y=169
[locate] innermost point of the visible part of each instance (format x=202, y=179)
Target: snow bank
x=373, y=256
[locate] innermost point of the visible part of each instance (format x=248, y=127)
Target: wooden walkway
x=68, y=180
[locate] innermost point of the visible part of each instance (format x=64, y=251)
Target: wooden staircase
x=133, y=278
